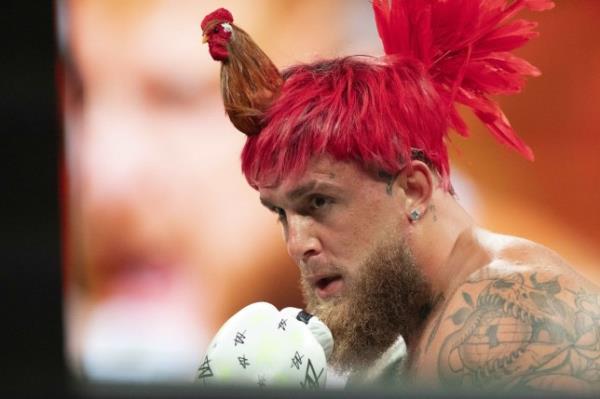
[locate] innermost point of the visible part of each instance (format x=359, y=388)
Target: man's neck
x=443, y=243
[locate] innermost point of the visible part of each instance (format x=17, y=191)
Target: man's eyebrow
x=312, y=185
x=300, y=191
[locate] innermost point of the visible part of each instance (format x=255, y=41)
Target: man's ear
x=416, y=180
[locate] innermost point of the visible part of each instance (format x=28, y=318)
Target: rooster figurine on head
x=243, y=62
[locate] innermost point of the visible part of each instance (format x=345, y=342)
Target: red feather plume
x=465, y=46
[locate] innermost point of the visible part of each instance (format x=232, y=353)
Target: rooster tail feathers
x=465, y=47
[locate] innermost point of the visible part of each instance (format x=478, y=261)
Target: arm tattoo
x=522, y=333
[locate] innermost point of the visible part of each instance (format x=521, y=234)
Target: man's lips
x=326, y=286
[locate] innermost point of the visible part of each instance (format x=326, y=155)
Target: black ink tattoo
x=434, y=330
x=433, y=213
x=388, y=188
x=522, y=333
x=389, y=181
x=438, y=320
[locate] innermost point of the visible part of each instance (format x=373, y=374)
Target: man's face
x=347, y=232
x=333, y=217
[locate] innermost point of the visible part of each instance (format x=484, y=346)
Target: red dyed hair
x=377, y=111
x=371, y=111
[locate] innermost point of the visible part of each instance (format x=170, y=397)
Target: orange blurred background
x=164, y=240
x=553, y=200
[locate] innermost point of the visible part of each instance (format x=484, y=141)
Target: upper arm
x=520, y=331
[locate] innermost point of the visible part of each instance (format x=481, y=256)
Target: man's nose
x=301, y=239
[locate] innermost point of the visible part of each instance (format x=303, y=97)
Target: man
x=350, y=154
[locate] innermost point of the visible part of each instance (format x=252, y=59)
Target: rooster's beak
x=204, y=38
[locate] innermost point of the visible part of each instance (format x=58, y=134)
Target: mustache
x=308, y=272
x=308, y=279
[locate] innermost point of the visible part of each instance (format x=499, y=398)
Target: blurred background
x=163, y=240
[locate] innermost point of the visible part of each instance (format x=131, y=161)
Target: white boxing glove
x=262, y=346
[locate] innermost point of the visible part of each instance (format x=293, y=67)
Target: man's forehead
x=319, y=170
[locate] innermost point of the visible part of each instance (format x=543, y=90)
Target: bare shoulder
x=526, y=321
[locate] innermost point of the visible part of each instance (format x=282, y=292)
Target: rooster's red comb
x=221, y=14
x=465, y=46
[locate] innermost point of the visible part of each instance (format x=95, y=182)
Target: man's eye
x=318, y=202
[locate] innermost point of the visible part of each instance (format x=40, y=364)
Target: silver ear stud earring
x=415, y=215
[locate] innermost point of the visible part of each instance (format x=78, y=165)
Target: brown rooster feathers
x=250, y=81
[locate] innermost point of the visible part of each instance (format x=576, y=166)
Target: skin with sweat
x=500, y=312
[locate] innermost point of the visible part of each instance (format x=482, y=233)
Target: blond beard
x=388, y=297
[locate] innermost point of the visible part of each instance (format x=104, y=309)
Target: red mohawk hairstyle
x=380, y=112
x=465, y=46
